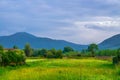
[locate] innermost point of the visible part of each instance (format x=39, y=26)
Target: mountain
x=111, y=43
x=21, y=38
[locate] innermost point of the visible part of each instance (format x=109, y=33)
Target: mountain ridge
x=21, y=38
x=111, y=43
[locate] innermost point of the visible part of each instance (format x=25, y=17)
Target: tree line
x=17, y=56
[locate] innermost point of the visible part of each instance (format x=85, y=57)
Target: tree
x=42, y=52
x=1, y=48
x=53, y=51
x=15, y=47
x=67, y=49
x=92, y=48
x=59, y=54
x=49, y=54
x=118, y=54
x=116, y=59
x=28, y=50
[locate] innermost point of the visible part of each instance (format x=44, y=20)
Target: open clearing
x=62, y=69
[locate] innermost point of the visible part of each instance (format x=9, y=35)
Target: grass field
x=62, y=69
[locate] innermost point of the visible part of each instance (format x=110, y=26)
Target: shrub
x=54, y=53
x=49, y=54
x=115, y=60
x=59, y=54
x=12, y=57
x=68, y=49
x=73, y=54
x=0, y=58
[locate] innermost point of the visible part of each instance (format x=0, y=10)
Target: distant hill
x=111, y=43
x=21, y=38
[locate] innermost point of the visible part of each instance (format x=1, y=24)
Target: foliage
x=92, y=48
x=73, y=54
x=1, y=48
x=116, y=59
x=42, y=52
x=107, y=52
x=28, y=50
x=68, y=49
x=12, y=57
x=52, y=53
x=49, y=54
x=62, y=69
x=59, y=54
x=118, y=54
x=15, y=47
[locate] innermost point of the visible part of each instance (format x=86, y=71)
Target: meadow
x=62, y=69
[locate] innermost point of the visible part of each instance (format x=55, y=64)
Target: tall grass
x=62, y=69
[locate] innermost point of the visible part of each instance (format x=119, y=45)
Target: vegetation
x=52, y=53
x=62, y=69
x=107, y=52
x=28, y=50
x=75, y=65
x=15, y=47
x=11, y=57
x=68, y=49
x=116, y=59
x=73, y=54
x=92, y=48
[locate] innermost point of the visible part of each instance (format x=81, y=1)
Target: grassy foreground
x=62, y=69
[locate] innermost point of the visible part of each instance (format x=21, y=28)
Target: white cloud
x=79, y=21
x=102, y=23
x=94, y=30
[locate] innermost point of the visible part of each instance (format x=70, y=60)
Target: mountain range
x=111, y=43
x=21, y=38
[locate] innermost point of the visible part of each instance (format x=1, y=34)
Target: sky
x=77, y=21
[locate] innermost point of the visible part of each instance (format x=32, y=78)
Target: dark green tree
x=59, y=54
x=15, y=47
x=116, y=59
x=93, y=48
x=67, y=49
x=1, y=48
x=49, y=54
x=28, y=50
x=42, y=52
x=118, y=54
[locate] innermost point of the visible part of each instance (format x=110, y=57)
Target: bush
x=107, y=52
x=39, y=52
x=115, y=60
x=0, y=58
x=54, y=53
x=73, y=54
x=49, y=54
x=12, y=57
x=59, y=54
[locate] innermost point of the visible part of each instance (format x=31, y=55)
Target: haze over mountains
x=21, y=38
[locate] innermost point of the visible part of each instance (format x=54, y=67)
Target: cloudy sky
x=78, y=21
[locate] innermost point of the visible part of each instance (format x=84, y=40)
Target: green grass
x=62, y=69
